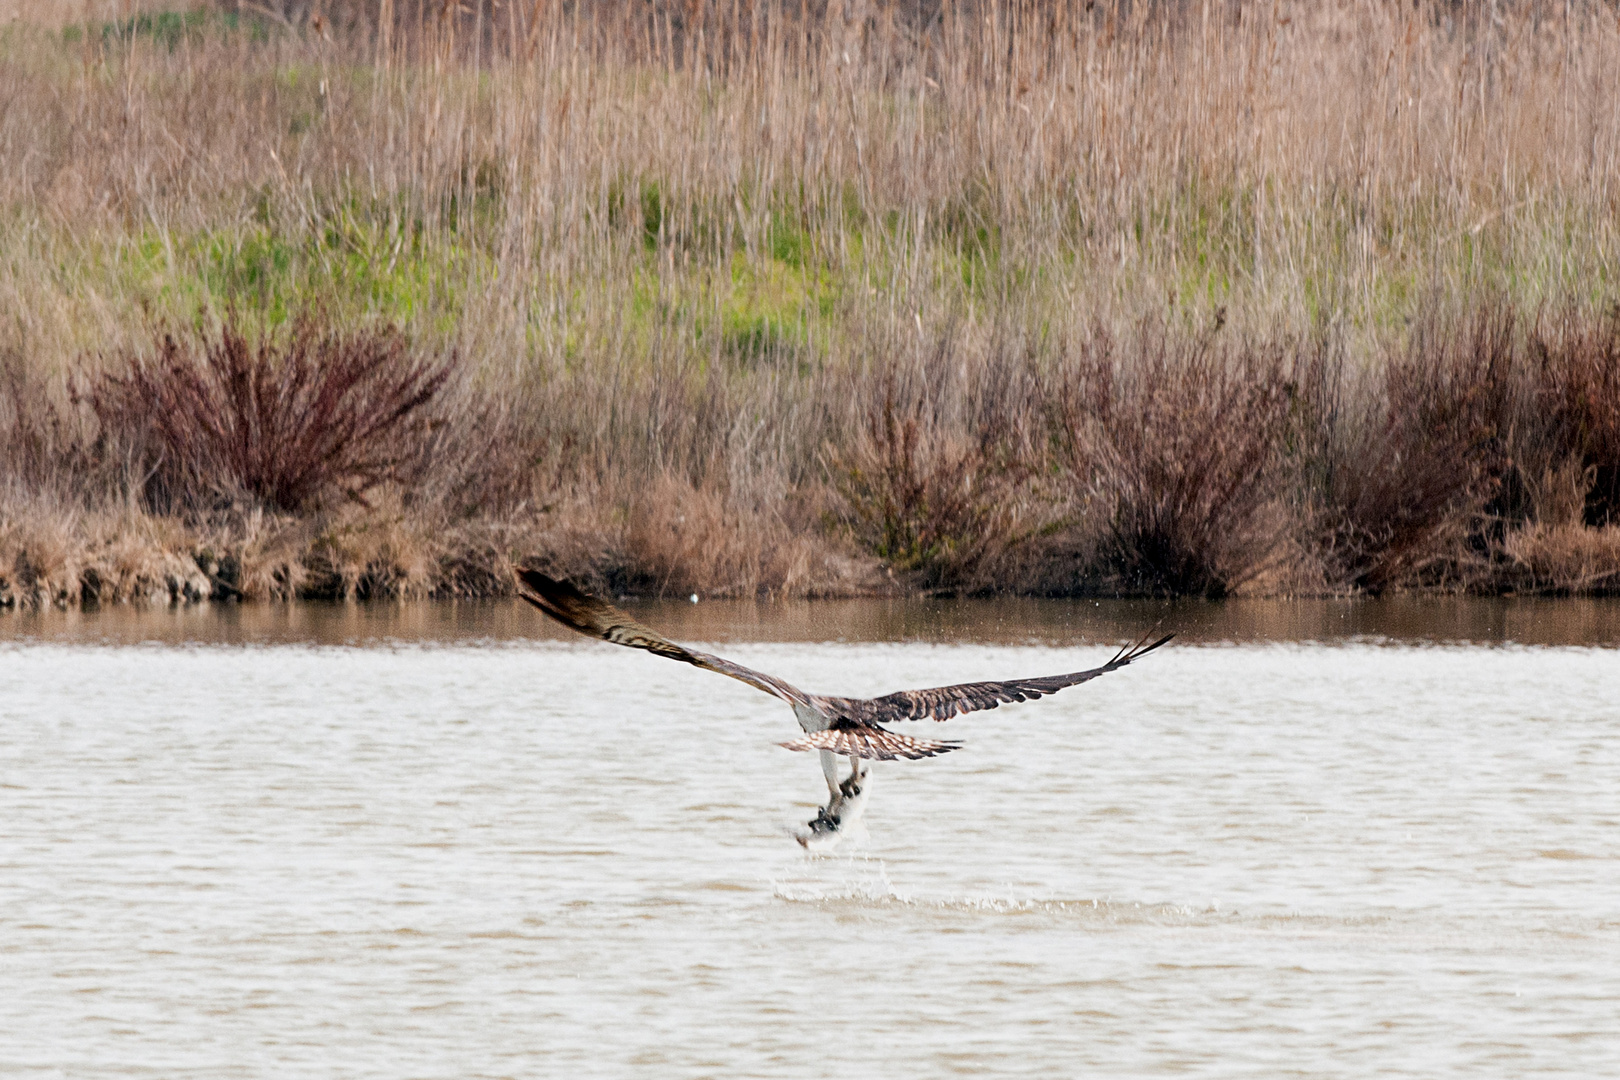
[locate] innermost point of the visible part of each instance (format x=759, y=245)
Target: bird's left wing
x=944, y=702
x=596, y=618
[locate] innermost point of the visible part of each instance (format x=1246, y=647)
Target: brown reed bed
x=1148, y=464
x=1066, y=299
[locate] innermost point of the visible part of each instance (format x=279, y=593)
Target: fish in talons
x=845, y=804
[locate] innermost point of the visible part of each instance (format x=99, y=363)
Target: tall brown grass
x=701, y=259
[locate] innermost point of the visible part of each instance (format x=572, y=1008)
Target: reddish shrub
x=1178, y=446
x=1414, y=453
x=286, y=425
x=935, y=481
x=1576, y=373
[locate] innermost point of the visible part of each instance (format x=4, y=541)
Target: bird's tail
x=873, y=743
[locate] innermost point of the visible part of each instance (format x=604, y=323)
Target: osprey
x=834, y=726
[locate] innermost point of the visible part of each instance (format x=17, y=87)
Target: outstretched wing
x=872, y=742
x=944, y=702
x=599, y=619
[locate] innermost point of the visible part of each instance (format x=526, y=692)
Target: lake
x=436, y=840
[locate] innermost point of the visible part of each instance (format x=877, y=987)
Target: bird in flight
x=834, y=726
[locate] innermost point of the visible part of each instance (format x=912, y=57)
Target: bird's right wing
x=596, y=618
x=944, y=702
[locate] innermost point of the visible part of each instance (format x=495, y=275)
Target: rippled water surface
x=1325, y=840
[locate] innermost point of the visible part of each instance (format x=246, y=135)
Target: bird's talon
x=824, y=822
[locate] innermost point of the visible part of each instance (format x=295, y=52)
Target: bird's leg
x=827, y=816
x=857, y=776
x=829, y=769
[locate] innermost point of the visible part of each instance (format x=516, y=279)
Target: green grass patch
x=171, y=29
x=352, y=268
x=767, y=310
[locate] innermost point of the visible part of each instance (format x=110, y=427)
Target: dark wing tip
x=573, y=607
x=549, y=587
x=1143, y=652
x=1138, y=650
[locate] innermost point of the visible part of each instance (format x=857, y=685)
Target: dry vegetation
x=755, y=299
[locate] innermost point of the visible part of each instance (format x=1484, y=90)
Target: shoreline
x=1012, y=622
x=353, y=563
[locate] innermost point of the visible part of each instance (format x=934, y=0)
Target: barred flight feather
x=873, y=743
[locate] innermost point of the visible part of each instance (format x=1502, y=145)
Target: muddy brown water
x=434, y=840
